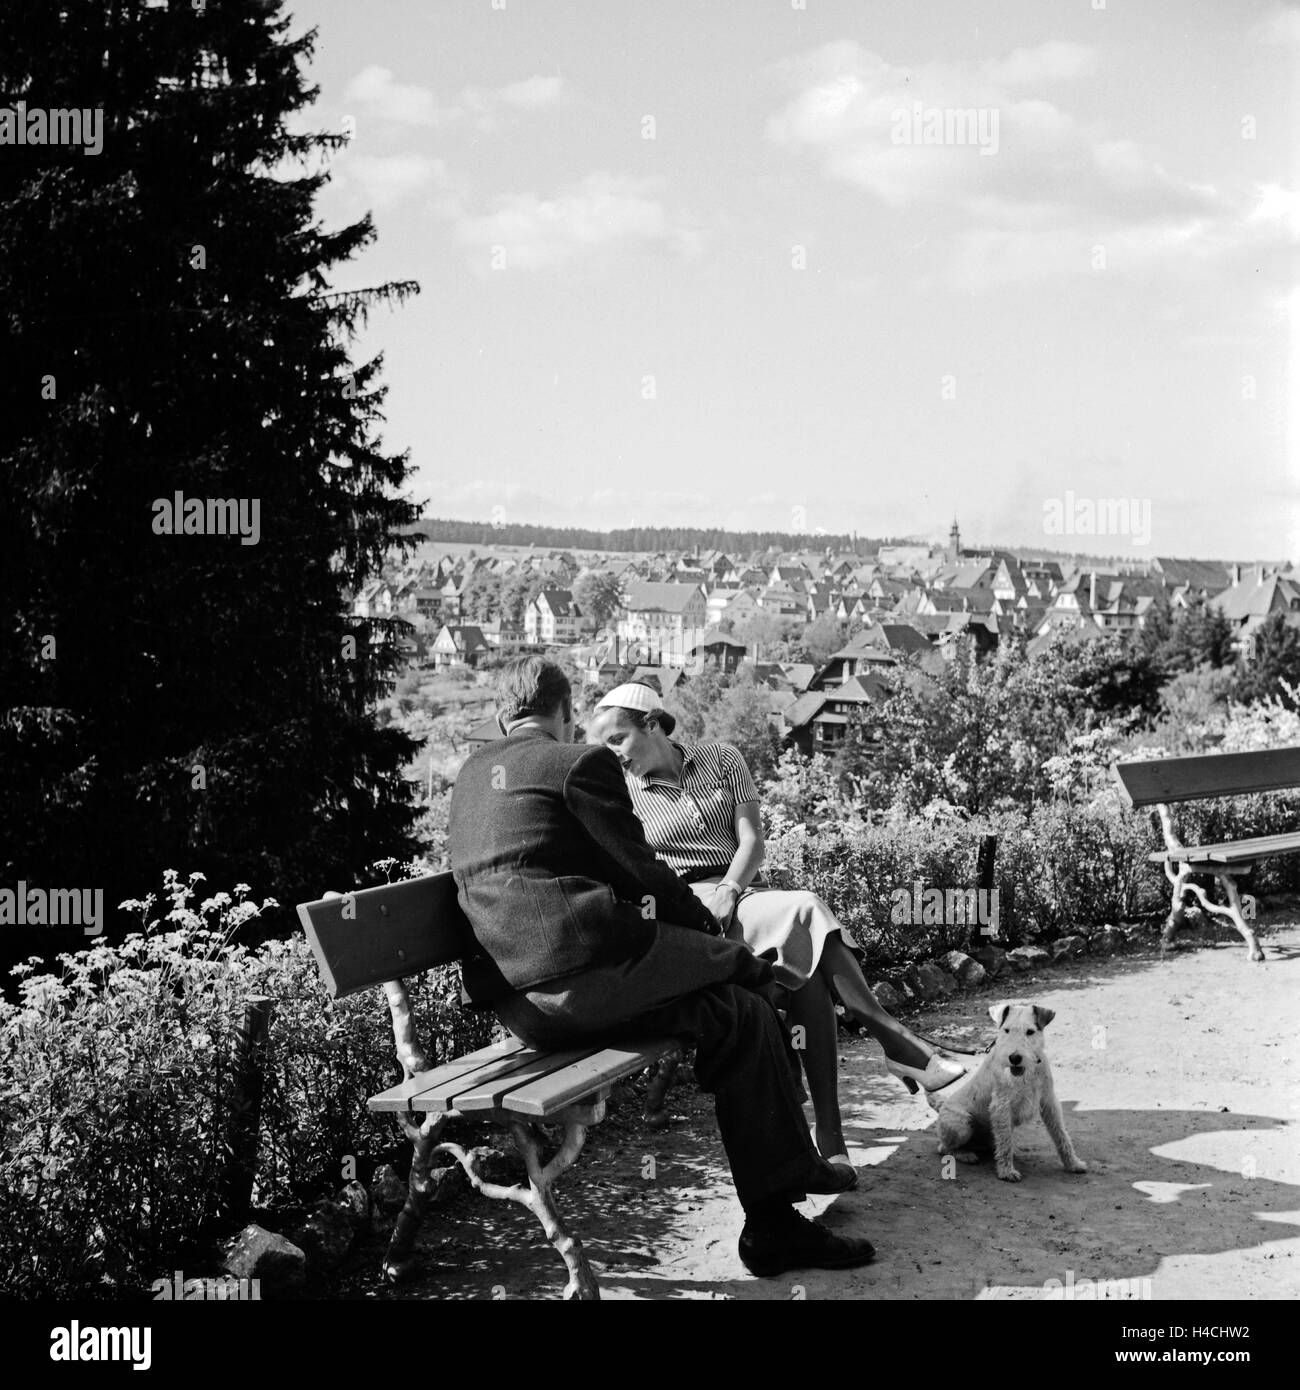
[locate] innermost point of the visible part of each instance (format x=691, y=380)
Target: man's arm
x=595, y=792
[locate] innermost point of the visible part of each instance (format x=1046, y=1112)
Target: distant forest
x=643, y=538
x=737, y=544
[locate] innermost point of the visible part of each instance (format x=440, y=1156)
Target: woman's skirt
x=788, y=929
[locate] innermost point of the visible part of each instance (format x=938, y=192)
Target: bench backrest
x=378, y=934
x=1214, y=774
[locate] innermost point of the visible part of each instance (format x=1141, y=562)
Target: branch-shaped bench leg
x=400, y=1260
x=1238, y=918
x=655, y=1114
x=1177, y=878
x=1233, y=912
x=1177, y=913
x=538, y=1196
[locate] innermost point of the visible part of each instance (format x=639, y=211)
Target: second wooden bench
x=1162, y=781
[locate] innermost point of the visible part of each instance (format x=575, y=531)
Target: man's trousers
x=715, y=994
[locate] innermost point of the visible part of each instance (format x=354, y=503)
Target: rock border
x=956, y=971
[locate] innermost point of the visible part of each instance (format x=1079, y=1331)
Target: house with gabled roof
x=1077, y=599
x=719, y=649
x=799, y=673
x=459, y=645
x=503, y=635
x=374, y=600
x=732, y=605
x=1206, y=577
x=981, y=629
x=881, y=645
x=1042, y=576
x=819, y=720
x=783, y=603
x=1028, y=616
x=1119, y=605
x=1248, y=606
x=821, y=604
x=553, y=618
x=1009, y=582
x=451, y=599
x=664, y=620
x=789, y=576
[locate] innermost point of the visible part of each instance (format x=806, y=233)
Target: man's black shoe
x=832, y=1177
x=793, y=1242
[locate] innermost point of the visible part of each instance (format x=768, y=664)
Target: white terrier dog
x=1011, y=1084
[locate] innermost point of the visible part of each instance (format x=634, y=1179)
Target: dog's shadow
x=1161, y=1185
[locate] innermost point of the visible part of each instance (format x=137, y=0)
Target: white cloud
x=1049, y=62
x=1281, y=26
x=1255, y=247
x=1046, y=190
x=377, y=92
x=968, y=132
x=600, y=213
x=386, y=179
x=531, y=93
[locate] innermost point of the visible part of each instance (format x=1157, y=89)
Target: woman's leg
x=812, y=1008
x=845, y=976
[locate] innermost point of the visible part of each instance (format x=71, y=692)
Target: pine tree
x=186, y=700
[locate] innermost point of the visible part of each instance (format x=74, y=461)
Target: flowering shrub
x=117, y=1089
x=1058, y=866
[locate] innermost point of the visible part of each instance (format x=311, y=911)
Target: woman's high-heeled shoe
x=937, y=1074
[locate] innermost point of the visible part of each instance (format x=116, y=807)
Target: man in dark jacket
x=585, y=935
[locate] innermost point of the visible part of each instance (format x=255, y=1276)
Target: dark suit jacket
x=551, y=864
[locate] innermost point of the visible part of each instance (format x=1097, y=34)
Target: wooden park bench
x=1163, y=781
x=386, y=935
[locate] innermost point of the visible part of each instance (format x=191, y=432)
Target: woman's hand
x=723, y=903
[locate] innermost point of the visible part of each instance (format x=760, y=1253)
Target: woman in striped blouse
x=700, y=810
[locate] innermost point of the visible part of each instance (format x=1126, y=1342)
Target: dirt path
x=1180, y=1082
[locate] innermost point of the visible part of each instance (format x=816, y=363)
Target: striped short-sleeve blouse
x=693, y=826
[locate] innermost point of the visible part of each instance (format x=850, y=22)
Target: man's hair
x=531, y=685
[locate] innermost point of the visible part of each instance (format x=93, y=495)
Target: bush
x=116, y=1090
x=1058, y=867
x=860, y=870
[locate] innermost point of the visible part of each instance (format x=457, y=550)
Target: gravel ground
x=1180, y=1082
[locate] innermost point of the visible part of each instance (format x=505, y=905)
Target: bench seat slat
x=1230, y=851
x=488, y=1095
x=580, y=1079
x=444, y=1094
x=399, y=1097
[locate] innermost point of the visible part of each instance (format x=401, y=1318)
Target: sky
x=816, y=265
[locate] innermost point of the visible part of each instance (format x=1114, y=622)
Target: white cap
x=632, y=695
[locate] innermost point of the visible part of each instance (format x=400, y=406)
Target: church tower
x=954, y=544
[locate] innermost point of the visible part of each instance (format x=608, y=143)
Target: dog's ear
x=1043, y=1016
x=997, y=1012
